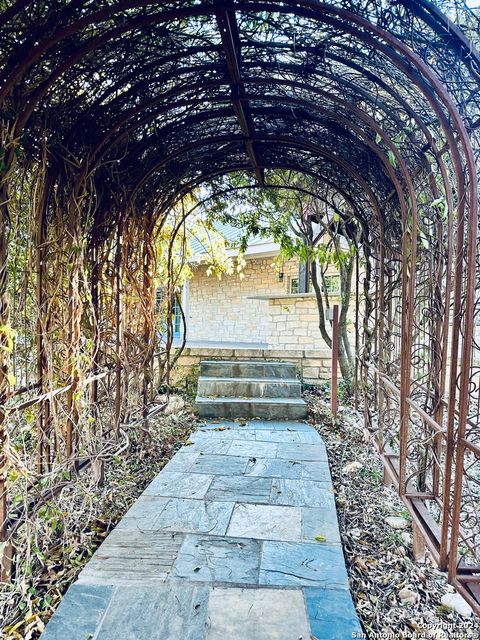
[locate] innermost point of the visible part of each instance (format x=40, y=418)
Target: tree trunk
x=321, y=310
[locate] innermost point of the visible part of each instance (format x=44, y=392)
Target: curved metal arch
x=39, y=92
x=222, y=192
x=296, y=143
x=193, y=184
x=374, y=148
x=211, y=84
x=359, y=113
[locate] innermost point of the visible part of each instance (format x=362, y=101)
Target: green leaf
x=391, y=158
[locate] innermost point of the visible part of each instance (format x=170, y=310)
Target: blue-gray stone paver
x=253, y=449
x=317, y=471
x=332, y=614
x=301, y=564
x=209, y=444
x=219, y=465
x=268, y=468
x=80, y=613
x=160, y=613
x=183, y=460
x=218, y=559
x=143, y=513
x=313, y=452
x=303, y=493
x=241, y=489
x=266, y=522
x=222, y=545
x=176, y=484
x=194, y=516
x=320, y=522
x=256, y=614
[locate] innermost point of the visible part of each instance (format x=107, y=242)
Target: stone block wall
x=294, y=323
x=223, y=309
x=313, y=365
x=232, y=309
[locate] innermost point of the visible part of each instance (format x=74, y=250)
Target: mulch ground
x=55, y=544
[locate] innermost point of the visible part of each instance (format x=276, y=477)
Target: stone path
x=222, y=546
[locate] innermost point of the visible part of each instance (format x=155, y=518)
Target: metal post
x=118, y=332
x=334, y=359
x=357, y=329
x=5, y=555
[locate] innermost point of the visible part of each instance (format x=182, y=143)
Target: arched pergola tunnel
x=112, y=113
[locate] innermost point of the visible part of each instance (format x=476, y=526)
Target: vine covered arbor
x=112, y=111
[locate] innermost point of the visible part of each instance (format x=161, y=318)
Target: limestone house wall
x=279, y=326
x=232, y=310
x=222, y=310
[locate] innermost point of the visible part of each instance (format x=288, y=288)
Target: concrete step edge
x=292, y=381
x=253, y=400
x=248, y=362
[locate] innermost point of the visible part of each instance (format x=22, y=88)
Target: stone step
x=255, y=369
x=267, y=408
x=249, y=387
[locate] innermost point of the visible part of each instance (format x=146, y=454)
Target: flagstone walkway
x=236, y=539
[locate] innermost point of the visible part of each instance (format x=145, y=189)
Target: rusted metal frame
x=228, y=28
x=117, y=103
x=213, y=84
x=471, y=250
x=357, y=329
x=274, y=139
x=222, y=100
x=415, y=503
x=469, y=326
x=43, y=413
x=335, y=345
x=428, y=91
x=148, y=323
x=6, y=553
x=380, y=332
x=186, y=188
x=355, y=176
x=9, y=78
x=265, y=64
x=35, y=54
x=119, y=319
x=92, y=45
x=395, y=47
x=422, y=8
x=442, y=325
x=335, y=116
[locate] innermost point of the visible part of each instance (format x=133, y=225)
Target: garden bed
x=56, y=543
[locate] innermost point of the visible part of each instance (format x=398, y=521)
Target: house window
x=294, y=285
x=177, y=318
x=176, y=312
x=332, y=284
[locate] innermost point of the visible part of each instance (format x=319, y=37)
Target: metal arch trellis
x=114, y=143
